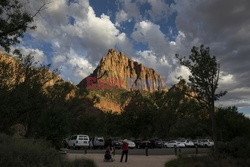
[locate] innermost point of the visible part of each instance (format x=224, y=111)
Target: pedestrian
x=124, y=150
x=110, y=149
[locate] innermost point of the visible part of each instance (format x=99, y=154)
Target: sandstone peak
x=124, y=73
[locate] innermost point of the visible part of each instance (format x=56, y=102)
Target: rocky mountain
x=117, y=84
x=117, y=71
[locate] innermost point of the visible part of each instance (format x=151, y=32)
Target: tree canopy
x=205, y=73
x=14, y=21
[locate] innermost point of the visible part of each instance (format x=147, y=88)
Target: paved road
x=133, y=160
x=163, y=151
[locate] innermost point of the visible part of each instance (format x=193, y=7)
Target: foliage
x=205, y=72
x=205, y=161
x=33, y=153
x=53, y=126
x=232, y=124
x=47, y=114
x=15, y=20
x=239, y=147
x=26, y=101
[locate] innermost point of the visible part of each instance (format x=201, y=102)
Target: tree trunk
x=213, y=121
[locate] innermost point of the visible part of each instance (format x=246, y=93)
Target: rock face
x=116, y=70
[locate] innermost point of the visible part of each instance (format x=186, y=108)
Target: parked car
x=131, y=144
x=144, y=144
x=173, y=143
x=196, y=142
x=117, y=144
x=97, y=142
x=206, y=143
x=187, y=143
x=78, y=141
x=159, y=144
x=138, y=143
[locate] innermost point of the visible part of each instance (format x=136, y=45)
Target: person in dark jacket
x=124, y=150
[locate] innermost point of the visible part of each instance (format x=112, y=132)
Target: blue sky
x=74, y=35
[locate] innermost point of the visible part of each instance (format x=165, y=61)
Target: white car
x=187, y=143
x=206, y=143
x=78, y=141
x=196, y=142
x=131, y=144
x=173, y=143
x=96, y=142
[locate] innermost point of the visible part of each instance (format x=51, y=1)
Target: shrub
x=207, y=162
x=239, y=147
x=33, y=153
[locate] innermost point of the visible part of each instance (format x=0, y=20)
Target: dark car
x=152, y=143
x=137, y=143
x=144, y=144
x=159, y=144
x=117, y=144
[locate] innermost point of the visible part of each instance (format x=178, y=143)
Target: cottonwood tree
x=205, y=72
x=15, y=21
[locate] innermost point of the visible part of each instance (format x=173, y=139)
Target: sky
x=73, y=35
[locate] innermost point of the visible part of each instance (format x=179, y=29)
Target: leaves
x=14, y=21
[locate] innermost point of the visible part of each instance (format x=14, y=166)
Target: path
x=133, y=160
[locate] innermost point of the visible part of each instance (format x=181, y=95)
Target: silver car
x=173, y=143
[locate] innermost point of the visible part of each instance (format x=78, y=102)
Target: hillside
x=115, y=65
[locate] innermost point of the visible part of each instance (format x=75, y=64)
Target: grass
x=34, y=153
x=207, y=161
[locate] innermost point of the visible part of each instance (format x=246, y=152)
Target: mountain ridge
x=127, y=73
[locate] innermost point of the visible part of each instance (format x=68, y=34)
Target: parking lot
x=156, y=151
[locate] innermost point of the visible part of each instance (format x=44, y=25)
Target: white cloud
x=150, y=33
x=72, y=66
x=182, y=71
x=226, y=81
x=89, y=37
x=38, y=55
x=121, y=16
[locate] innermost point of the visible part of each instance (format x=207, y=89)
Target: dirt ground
x=133, y=160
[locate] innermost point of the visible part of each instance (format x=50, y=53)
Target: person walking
x=124, y=150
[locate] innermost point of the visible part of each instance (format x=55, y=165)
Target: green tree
x=205, y=72
x=232, y=124
x=53, y=125
x=14, y=21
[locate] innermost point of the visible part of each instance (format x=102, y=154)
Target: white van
x=78, y=141
x=97, y=142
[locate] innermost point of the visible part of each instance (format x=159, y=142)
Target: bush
x=239, y=147
x=207, y=162
x=33, y=153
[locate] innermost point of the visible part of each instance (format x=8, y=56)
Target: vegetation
x=207, y=162
x=46, y=113
x=14, y=21
x=205, y=72
x=33, y=153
